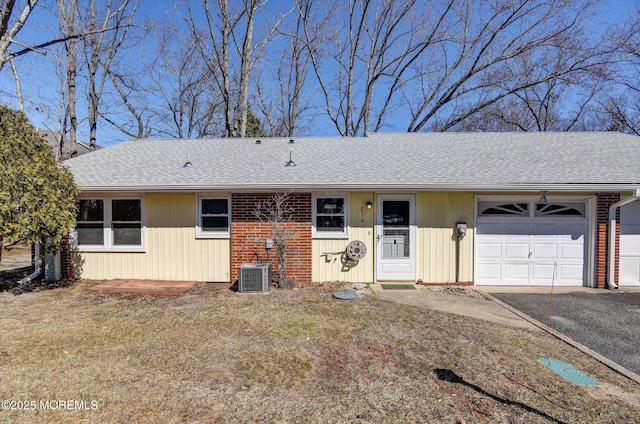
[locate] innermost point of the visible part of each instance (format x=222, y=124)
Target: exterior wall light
x=369, y=205
x=543, y=198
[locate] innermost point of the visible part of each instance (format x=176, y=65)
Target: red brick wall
x=248, y=235
x=65, y=260
x=602, y=240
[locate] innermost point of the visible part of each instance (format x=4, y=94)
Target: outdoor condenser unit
x=254, y=277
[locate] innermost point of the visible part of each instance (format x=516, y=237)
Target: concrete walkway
x=483, y=309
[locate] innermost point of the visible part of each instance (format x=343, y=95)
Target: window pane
x=126, y=234
x=214, y=207
x=498, y=209
x=330, y=205
x=568, y=209
x=126, y=210
x=395, y=213
x=215, y=223
x=330, y=223
x=90, y=234
x=90, y=210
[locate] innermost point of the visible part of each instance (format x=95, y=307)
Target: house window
x=90, y=222
x=330, y=216
x=214, y=219
x=110, y=224
x=126, y=222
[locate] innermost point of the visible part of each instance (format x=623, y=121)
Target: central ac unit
x=254, y=277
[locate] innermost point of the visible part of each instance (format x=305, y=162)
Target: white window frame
x=344, y=234
x=200, y=233
x=108, y=245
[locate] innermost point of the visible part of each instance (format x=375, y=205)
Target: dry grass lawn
x=297, y=356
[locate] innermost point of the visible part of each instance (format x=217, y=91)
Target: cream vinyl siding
x=437, y=214
x=172, y=251
x=327, y=265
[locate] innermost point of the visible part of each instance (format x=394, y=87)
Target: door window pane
x=395, y=229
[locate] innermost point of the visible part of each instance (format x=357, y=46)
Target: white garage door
x=529, y=243
x=630, y=244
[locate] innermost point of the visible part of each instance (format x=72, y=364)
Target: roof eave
x=368, y=187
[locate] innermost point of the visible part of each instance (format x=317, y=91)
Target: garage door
x=529, y=243
x=630, y=244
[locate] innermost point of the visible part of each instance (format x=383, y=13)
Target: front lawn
x=214, y=355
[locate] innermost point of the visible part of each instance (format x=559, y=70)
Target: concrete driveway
x=605, y=321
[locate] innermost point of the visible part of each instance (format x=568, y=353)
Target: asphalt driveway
x=605, y=321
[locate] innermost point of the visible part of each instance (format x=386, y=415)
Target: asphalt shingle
x=456, y=161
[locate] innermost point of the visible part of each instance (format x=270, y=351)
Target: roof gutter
x=611, y=257
x=367, y=187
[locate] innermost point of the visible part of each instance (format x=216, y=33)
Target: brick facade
x=248, y=235
x=602, y=240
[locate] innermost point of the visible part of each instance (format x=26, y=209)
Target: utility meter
x=461, y=228
x=268, y=244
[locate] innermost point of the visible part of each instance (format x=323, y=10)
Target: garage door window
x=503, y=209
x=559, y=210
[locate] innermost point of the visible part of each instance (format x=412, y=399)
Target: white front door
x=396, y=237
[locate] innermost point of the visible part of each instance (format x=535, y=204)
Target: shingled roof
x=567, y=161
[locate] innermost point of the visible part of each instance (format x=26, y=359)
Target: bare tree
x=132, y=93
x=278, y=214
x=67, y=18
x=485, y=63
x=620, y=107
x=16, y=77
x=228, y=48
x=9, y=28
x=562, y=102
x=101, y=47
x=281, y=98
x=363, y=51
x=433, y=66
x=188, y=102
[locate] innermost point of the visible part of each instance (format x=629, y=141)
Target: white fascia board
x=370, y=187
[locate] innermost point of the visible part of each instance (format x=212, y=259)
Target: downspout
x=611, y=257
x=38, y=268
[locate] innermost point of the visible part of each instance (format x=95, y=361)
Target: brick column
x=248, y=235
x=65, y=260
x=602, y=240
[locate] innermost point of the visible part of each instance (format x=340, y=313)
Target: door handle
x=378, y=237
x=530, y=253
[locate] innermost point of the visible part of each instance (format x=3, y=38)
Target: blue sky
x=41, y=80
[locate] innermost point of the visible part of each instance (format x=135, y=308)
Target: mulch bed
x=9, y=282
